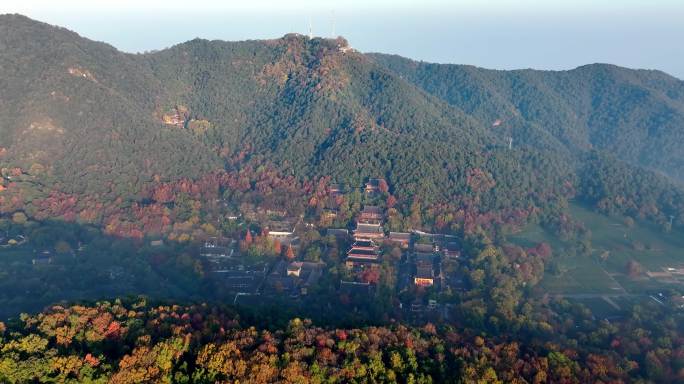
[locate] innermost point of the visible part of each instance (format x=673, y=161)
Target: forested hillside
x=81, y=113
x=637, y=115
x=90, y=133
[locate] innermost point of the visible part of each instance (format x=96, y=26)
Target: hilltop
x=83, y=121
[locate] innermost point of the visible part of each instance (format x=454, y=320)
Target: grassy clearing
x=643, y=242
x=611, y=307
x=614, y=245
x=581, y=275
x=601, y=308
x=535, y=234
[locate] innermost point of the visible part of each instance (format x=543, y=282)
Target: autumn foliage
x=136, y=343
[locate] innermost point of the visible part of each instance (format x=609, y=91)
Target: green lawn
x=533, y=235
x=611, y=236
x=644, y=242
x=614, y=306
x=580, y=275
x=601, y=308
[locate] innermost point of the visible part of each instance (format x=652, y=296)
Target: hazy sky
x=542, y=34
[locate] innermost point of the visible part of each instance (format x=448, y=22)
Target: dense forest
x=138, y=342
x=96, y=131
x=636, y=115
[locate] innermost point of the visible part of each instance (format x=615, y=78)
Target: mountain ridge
x=592, y=106
x=90, y=120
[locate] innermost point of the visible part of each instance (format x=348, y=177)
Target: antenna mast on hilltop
x=310, y=29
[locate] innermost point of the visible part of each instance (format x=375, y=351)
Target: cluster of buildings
x=294, y=278
x=424, y=256
x=242, y=280
x=11, y=241
x=284, y=231
x=216, y=249
x=176, y=117
x=365, y=251
x=42, y=257
x=670, y=274
x=224, y=265
x=424, y=260
x=248, y=282
x=375, y=186
x=217, y=252
x=369, y=224
x=402, y=239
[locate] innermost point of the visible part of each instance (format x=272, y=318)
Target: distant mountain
x=81, y=118
x=637, y=115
